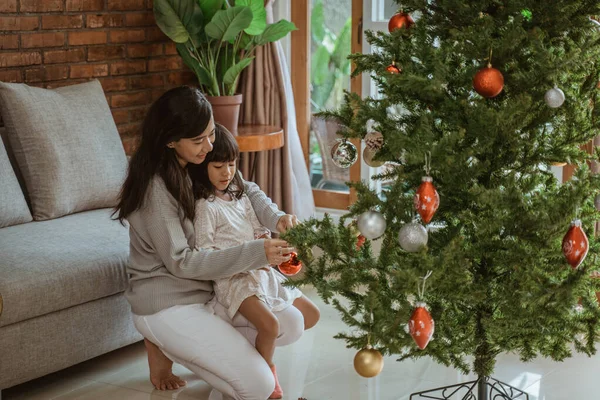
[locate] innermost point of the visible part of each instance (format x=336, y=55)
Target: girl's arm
x=160, y=214
x=268, y=213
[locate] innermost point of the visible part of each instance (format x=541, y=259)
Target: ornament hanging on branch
x=412, y=237
x=554, y=97
x=292, y=266
x=393, y=69
x=344, y=153
x=421, y=325
x=368, y=362
x=368, y=155
x=427, y=199
x=575, y=244
x=489, y=81
x=371, y=224
x=374, y=140
x=400, y=20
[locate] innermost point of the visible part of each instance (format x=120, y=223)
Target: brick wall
x=53, y=43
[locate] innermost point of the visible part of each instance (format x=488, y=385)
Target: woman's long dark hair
x=225, y=150
x=182, y=112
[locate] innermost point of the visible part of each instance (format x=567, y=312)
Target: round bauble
x=399, y=21
x=371, y=224
x=554, y=97
x=368, y=362
x=412, y=237
x=488, y=82
x=344, y=154
x=368, y=155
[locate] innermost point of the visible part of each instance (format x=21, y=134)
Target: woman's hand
x=286, y=222
x=277, y=251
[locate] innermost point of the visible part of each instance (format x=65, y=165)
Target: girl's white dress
x=219, y=224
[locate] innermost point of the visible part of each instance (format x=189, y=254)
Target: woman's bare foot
x=161, y=374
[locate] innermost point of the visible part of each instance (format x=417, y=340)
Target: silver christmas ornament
x=597, y=202
x=374, y=140
x=595, y=21
x=371, y=224
x=554, y=97
x=344, y=154
x=412, y=237
x=368, y=155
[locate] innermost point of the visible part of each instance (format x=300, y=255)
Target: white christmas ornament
x=344, y=154
x=412, y=237
x=554, y=97
x=371, y=224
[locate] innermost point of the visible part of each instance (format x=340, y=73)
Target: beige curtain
x=268, y=100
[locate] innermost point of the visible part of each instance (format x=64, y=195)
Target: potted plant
x=216, y=41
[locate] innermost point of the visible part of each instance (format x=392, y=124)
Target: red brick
x=20, y=59
x=127, y=36
x=155, y=35
x=69, y=82
x=131, y=99
x=138, y=114
x=144, y=50
x=18, y=23
x=146, y=82
x=64, y=56
x=181, y=78
x=46, y=39
x=130, y=130
x=122, y=5
x=50, y=73
x=165, y=64
x=156, y=93
x=80, y=38
x=62, y=21
x=9, y=42
x=88, y=70
x=170, y=48
x=140, y=19
x=150, y=4
x=85, y=5
x=120, y=116
x=8, y=6
x=41, y=5
x=114, y=84
x=104, y=20
x=101, y=53
x=130, y=144
x=11, y=75
x=128, y=67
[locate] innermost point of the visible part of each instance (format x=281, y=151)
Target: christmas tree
x=487, y=96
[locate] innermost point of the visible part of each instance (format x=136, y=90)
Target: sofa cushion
x=13, y=207
x=67, y=146
x=51, y=265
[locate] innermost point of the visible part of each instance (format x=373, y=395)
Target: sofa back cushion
x=13, y=207
x=66, y=145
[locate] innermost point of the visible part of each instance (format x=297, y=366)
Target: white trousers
x=202, y=338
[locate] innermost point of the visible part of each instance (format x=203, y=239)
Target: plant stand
x=487, y=389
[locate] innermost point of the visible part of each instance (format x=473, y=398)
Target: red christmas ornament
x=392, y=69
x=291, y=266
x=488, y=82
x=427, y=199
x=360, y=241
x=400, y=20
x=575, y=244
x=421, y=326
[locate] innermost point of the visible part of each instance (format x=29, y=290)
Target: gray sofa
x=62, y=257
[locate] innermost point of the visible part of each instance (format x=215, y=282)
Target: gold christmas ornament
x=368, y=362
x=368, y=155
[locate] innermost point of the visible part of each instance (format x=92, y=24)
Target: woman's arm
x=268, y=213
x=161, y=217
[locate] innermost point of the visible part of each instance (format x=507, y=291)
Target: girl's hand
x=286, y=222
x=277, y=251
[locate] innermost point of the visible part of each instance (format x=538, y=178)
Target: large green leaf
x=342, y=46
x=202, y=73
x=227, y=24
x=178, y=19
x=320, y=65
x=274, y=32
x=210, y=7
x=259, y=16
x=317, y=21
x=234, y=71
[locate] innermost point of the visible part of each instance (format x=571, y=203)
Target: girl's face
x=194, y=150
x=220, y=174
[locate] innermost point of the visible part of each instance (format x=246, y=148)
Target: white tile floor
x=317, y=367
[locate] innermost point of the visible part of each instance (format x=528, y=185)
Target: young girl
x=225, y=218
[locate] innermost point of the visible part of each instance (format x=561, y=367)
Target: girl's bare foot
x=161, y=374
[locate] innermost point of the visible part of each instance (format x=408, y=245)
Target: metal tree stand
x=487, y=389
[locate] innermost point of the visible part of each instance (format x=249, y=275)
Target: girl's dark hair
x=182, y=112
x=225, y=150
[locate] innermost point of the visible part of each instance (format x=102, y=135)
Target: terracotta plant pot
x=226, y=110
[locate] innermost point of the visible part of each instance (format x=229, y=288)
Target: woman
x=170, y=288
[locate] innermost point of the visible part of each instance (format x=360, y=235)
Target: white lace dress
x=219, y=224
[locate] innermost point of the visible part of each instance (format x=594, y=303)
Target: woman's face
x=194, y=150
x=220, y=174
